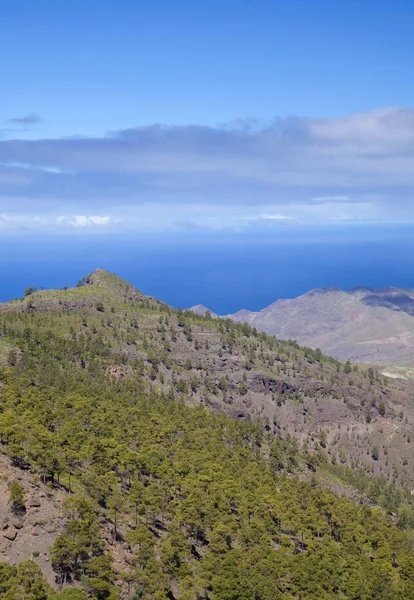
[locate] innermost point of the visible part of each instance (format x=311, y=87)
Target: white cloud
x=20, y=221
x=384, y=126
x=101, y=221
x=84, y=221
x=331, y=199
x=29, y=166
x=275, y=217
x=16, y=221
x=307, y=170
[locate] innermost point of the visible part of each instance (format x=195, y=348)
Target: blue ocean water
x=225, y=272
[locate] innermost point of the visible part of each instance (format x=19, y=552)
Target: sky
x=128, y=119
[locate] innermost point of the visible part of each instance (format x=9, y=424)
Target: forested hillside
x=198, y=458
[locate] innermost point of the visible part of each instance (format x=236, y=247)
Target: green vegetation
x=203, y=506
x=26, y=582
x=16, y=498
x=379, y=490
x=29, y=291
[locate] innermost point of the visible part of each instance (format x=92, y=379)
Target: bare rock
x=34, y=520
x=10, y=534
x=17, y=523
x=51, y=528
x=33, y=502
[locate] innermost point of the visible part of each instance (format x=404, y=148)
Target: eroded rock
x=33, y=502
x=10, y=533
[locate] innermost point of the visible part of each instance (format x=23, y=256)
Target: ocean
x=224, y=271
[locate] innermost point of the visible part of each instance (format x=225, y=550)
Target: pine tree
x=16, y=498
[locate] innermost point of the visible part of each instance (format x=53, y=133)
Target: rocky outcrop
x=30, y=534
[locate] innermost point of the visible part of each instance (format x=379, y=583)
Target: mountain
x=159, y=454
x=200, y=309
x=364, y=325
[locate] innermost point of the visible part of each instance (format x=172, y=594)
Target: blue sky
x=123, y=118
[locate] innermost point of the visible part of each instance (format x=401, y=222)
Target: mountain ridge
x=364, y=324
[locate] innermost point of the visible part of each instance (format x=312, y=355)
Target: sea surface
x=224, y=271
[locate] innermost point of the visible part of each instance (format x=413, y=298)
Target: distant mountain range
x=363, y=325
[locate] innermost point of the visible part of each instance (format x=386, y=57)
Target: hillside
x=189, y=457
x=365, y=325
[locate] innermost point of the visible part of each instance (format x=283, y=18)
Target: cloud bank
x=247, y=174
